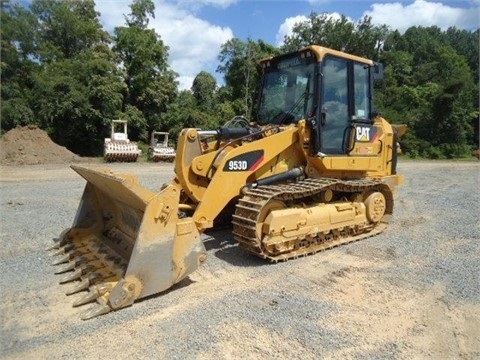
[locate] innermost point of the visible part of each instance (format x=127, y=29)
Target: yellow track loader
x=316, y=169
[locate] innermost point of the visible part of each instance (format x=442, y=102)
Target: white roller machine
x=118, y=147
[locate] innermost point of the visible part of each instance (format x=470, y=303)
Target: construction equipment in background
x=159, y=149
x=399, y=130
x=316, y=169
x=118, y=147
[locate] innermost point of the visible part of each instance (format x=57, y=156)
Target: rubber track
x=249, y=208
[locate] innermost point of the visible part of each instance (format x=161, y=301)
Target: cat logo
x=365, y=133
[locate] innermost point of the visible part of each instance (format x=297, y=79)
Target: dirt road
x=411, y=292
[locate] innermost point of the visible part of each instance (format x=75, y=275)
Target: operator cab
x=331, y=90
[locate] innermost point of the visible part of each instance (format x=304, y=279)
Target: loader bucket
x=126, y=242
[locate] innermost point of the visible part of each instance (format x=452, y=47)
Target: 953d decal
x=249, y=161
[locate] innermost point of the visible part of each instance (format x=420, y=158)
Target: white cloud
x=200, y=3
x=111, y=13
x=286, y=28
x=424, y=13
x=194, y=43
x=400, y=16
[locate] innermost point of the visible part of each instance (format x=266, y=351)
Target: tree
x=362, y=39
x=151, y=84
x=66, y=28
x=203, y=88
x=55, y=54
x=429, y=85
x=77, y=85
x=239, y=62
x=16, y=67
x=467, y=44
x=78, y=97
x=183, y=112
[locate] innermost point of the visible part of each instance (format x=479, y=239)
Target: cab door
x=334, y=100
x=345, y=102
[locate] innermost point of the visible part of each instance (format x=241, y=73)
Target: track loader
x=316, y=169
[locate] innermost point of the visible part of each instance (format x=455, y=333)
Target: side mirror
x=377, y=71
x=323, y=115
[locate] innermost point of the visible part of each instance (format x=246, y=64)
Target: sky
x=194, y=30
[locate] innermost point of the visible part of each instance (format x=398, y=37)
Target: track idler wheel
x=376, y=205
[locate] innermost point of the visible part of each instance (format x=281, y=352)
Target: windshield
x=287, y=91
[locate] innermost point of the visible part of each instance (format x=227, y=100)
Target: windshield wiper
x=284, y=115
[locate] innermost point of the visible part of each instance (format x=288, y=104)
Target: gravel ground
x=410, y=292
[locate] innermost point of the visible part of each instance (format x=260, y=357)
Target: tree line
x=61, y=71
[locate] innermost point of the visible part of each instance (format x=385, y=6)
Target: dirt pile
x=29, y=145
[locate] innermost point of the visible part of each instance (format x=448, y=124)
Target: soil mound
x=29, y=145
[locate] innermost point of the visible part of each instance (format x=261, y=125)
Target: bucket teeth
x=69, y=266
x=87, y=298
x=61, y=260
x=89, y=268
x=63, y=249
x=75, y=275
x=92, y=266
x=59, y=242
x=60, y=251
x=94, y=293
x=85, y=282
x=54, y=246
x=82, y=285
x=73, y=253
x=79, y=259
x=82, y=269
x=96, y=310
